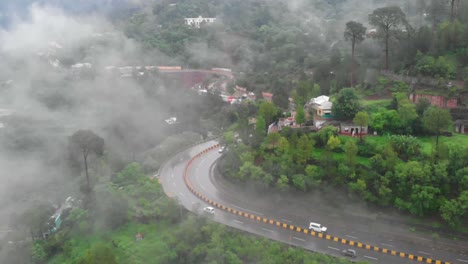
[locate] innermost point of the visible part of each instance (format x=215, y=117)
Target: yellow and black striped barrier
x=297, y=229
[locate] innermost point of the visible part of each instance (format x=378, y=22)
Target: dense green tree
x=455, y=210
x=390, y=156
x=248, y=171
x=316, y=89
x=461, y=179
x=406, y=112
x=346, y=104
x=333, y=143
x=268, y=111
x=407, y=147
x=450, y=36
x=423, y=39
x=260, y=130
x=354, y=32
x=313, y=176
x=424, y=200
x=38, y=253
x=303, y=92
x=422, y=105
x=283, y=146
x=272, y=140
x=361, y=119
x=387, y=19
x=437, y=12
x=98, y=254
x=432, y=67
x=451, y=212
x=377, y=163
x=282, y=183
x=437, y=120
x=322, y=136
x=300, y=115
x=86, y=142
x=129, y=174
x=359, y=186
x=386, y=121
x=351, y=151
x=304, y=150
x=299, y=182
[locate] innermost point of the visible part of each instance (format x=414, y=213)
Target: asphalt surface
x=342, y=217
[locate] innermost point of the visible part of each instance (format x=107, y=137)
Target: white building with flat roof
x=197, y=21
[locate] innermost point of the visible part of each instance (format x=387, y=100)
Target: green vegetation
x=394, y=169
x=276, y=48
x=169, y=234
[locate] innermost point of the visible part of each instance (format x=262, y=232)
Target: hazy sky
x=50, y=101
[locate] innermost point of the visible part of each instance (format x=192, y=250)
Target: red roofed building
x=267, y=96
x=436, y=100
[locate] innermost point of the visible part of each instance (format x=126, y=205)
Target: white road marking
x=423, y=239
x=201, y=162
x=422, y=252
x=334, y=248
x=268, y=230
x=172, y=175
x=246, y=209
x=300, y=239
x=181, y=194
x=286, y=220
x=371, y=258
x=387, y=245
x=353, y=237
x=239, y=222
x=462, y=260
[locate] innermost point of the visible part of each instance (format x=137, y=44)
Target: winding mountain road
x=191, y=177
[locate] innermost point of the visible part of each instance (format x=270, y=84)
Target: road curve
x=190, y=176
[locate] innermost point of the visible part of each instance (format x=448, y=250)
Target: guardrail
x=297, y=229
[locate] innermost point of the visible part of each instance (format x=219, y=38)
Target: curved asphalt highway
x=352, y=223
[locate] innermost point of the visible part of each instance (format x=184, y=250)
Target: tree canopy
x=354, y=32
x=347, y=104
x=386, y=19
x=436, y=121
x=86, y=142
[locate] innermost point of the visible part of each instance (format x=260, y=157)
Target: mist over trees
x=355, y=34
x=70, y=111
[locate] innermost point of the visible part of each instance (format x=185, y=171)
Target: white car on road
x=221, y=149
x=317, y=227
x=209, y=210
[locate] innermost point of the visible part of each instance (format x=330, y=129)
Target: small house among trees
x=461, y=126
x=351, y=129
x=322, y=106
x=436, y=100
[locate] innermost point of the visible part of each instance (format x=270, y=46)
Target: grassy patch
x=123, y=243
x=201, y=243
x=317, y=154
x=373, y=105
x=380, y=102
x=427, y=143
